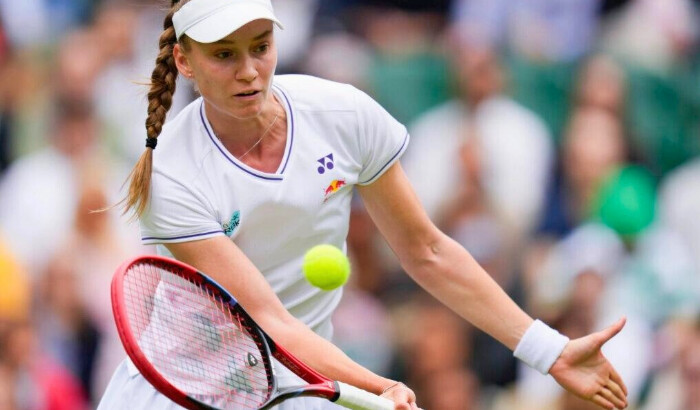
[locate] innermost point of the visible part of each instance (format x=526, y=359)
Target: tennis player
x=262, y=167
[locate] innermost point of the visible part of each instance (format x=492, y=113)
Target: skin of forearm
x=220, y=260
x=324, y=357
x=449, y=273
x=439, y=264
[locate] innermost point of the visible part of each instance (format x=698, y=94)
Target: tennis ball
x=326, y=267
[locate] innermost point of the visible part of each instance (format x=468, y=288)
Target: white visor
x=207, y=21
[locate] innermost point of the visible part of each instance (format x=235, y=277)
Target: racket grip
x=358, y=399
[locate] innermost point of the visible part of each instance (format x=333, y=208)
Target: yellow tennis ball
x=326, y=267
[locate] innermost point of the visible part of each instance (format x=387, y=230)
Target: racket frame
x=319, y=386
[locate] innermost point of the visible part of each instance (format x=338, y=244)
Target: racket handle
x=358, y=399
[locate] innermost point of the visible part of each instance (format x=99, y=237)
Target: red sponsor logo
x=333, y=187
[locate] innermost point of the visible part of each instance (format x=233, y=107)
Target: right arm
x=222, y=260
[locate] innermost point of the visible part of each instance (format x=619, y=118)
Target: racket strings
x=195, y=341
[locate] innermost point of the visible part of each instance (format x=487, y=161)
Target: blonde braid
x=160, y=99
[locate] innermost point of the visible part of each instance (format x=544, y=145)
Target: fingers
x=601, y=401
x=618, y=380
x=406, y=406
x=403, y=397
x=403, y=406
x=616, y=390
x=403, y=402
x=611, y=331
x=613, y=398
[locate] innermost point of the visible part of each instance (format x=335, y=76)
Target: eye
x=262, y=48
x=223, y=54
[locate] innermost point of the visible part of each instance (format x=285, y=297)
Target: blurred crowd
x=557, y=140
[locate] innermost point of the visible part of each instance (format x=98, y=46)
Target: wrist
x=540, y=346
x=392, y=386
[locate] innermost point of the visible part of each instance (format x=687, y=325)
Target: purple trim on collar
x=291, y=134
x=258, y=174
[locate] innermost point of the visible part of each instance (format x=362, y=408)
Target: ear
x=182, y=62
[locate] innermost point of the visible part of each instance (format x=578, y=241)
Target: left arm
x=439, y=264
x=447, y=271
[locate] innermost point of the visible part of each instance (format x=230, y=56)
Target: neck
x=231, y=128
x=244, y=137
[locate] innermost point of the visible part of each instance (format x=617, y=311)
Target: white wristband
x=540, y=346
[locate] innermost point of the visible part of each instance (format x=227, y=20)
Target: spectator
x=602, y=84
x=38, y=381
x=650, y=34
x=53, y=172
x=514, y=147
x=679, y=200
x=408, y=75
x=690, y=369
x=593, y=146
x=656, y=41
x=676, y=383
x=545, y=41
x=451, y=389
x=435, y=340
x=32, y=24
x=96, y=244
x=119, y=92
x=65, y=331
x=627, y=264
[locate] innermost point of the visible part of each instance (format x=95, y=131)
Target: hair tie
x=151, y=142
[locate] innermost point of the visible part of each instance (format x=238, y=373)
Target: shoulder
x=316, y=94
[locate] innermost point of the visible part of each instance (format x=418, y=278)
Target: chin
x=246, y=113
x=247, y=110
x=241, y=112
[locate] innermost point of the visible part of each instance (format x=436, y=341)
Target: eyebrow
x=256, y=38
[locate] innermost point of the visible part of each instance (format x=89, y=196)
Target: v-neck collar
x=277, y=175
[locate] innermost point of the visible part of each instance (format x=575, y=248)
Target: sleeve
x=176, y=213
x=382, y=139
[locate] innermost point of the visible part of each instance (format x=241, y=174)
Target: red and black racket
x=195, y=344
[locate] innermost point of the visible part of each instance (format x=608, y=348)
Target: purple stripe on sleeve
x=150, y=238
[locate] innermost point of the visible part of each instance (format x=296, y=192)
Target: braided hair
x=160, y=99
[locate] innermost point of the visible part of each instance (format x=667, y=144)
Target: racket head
x=189, y=338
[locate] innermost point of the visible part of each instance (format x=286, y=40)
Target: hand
x=584, y=371
x=403, y=397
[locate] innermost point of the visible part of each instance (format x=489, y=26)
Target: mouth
x=248, y=93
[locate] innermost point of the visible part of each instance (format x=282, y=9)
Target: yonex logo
x=326, y=163
x=252, y=361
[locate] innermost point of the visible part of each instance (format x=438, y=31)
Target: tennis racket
x=196, y=345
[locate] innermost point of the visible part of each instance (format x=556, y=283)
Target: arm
x=225, y=262
x=448, y=272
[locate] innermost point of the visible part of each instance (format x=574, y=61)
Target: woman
x=261, y=168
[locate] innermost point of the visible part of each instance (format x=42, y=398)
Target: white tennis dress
x=337, y=137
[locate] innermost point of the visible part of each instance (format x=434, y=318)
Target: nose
x=247, y=71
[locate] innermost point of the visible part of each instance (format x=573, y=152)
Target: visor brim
x=225, y=22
